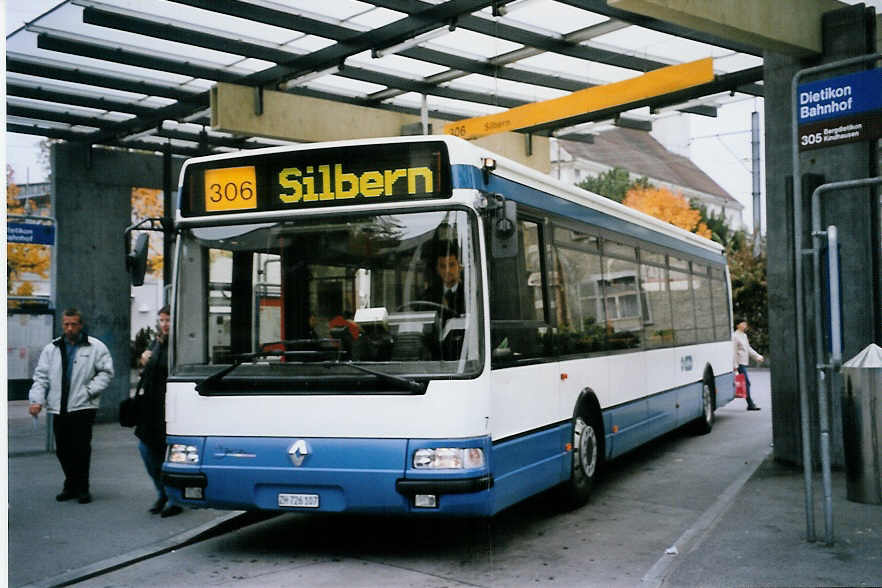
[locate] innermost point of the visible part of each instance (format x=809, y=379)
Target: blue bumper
x=346, y=475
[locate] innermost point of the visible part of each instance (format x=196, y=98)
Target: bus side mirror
x=136, y=259
x=503, y=227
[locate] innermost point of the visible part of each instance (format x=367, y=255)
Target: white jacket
x=90, y=374
x=743, y=350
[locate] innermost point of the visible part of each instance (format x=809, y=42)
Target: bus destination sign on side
x=292, y=180
x=840, y=110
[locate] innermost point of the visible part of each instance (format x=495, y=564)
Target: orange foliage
x=147, y=203
x=22, y=258
x=669, y=207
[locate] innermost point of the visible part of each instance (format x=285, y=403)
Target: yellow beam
x=654, y=83
x=791, y=27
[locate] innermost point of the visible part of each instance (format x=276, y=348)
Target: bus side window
x=624, y=318
x=681, y=300
x=720, y=300
x=517, y=315
x=704, y=319
x=577, y=291
x=658, y=326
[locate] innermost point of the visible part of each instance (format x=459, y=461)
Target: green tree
x=748, y=273
x=750, y=299
x=613, y=184
x=720, y=230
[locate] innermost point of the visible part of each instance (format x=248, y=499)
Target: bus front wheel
x=587, y=458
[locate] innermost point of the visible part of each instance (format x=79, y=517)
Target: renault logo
x=298, y=452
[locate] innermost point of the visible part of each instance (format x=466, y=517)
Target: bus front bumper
x=337, y=475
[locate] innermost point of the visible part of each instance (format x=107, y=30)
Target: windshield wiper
x=244, y=357
x=406, y=383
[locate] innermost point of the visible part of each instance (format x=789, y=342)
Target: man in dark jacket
x=448, y=291
x=71, y=373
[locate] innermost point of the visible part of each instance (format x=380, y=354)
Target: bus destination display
x=320, y=178
x=231, y=188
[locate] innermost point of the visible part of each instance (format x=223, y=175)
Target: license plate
x=299, y=500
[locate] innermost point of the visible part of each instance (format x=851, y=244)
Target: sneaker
x=158, y=505
x=65, y=495
x=171, y=510
x=753, y=408
x=84, y=498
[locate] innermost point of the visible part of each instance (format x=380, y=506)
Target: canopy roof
x=138, y=73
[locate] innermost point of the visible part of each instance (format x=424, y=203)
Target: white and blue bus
x=313, y=367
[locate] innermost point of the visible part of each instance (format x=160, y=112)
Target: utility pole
x=755, y=172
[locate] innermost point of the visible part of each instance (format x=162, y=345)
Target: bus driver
x=447, y=289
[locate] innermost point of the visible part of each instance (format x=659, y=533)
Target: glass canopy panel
x=407, y=66
x=525, y=92
x=346, y=86
x=475, y=43
x=554, y=17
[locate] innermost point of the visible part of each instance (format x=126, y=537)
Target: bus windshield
x=300, y=299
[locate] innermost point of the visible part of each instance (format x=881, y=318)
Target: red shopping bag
x=740, y=386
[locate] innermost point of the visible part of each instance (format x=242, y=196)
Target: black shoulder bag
x=128, y=408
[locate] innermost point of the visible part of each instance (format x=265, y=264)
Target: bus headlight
x=448, y=458
x=180, y=453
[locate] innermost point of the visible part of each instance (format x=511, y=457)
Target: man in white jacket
x=743, y=353
x=72, y=372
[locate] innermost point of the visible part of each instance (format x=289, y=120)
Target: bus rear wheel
x=587, y=459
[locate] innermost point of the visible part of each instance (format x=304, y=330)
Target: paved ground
x=753, y=534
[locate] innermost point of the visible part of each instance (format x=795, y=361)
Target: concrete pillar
x=91, y=198
x=847, y=32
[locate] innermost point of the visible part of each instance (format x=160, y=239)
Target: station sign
x=839, y=110
x=32, y=233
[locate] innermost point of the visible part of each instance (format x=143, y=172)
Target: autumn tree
x=147, y=203
x=22, y=258
x=613, y=184
x=667, y=206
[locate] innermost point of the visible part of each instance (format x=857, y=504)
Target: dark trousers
x=153, y=458
x=73, y=447
x=742, y=369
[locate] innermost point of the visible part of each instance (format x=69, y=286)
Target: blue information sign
x=30, y=233
x=844, y=109
x=840, y=96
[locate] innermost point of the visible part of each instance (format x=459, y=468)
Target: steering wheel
x=438, y=323
x=429, y=303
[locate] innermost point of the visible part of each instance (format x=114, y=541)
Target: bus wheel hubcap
x=586, y=446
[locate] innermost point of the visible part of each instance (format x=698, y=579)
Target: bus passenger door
x=525, y=380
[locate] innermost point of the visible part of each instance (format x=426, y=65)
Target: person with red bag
x=743, y=353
